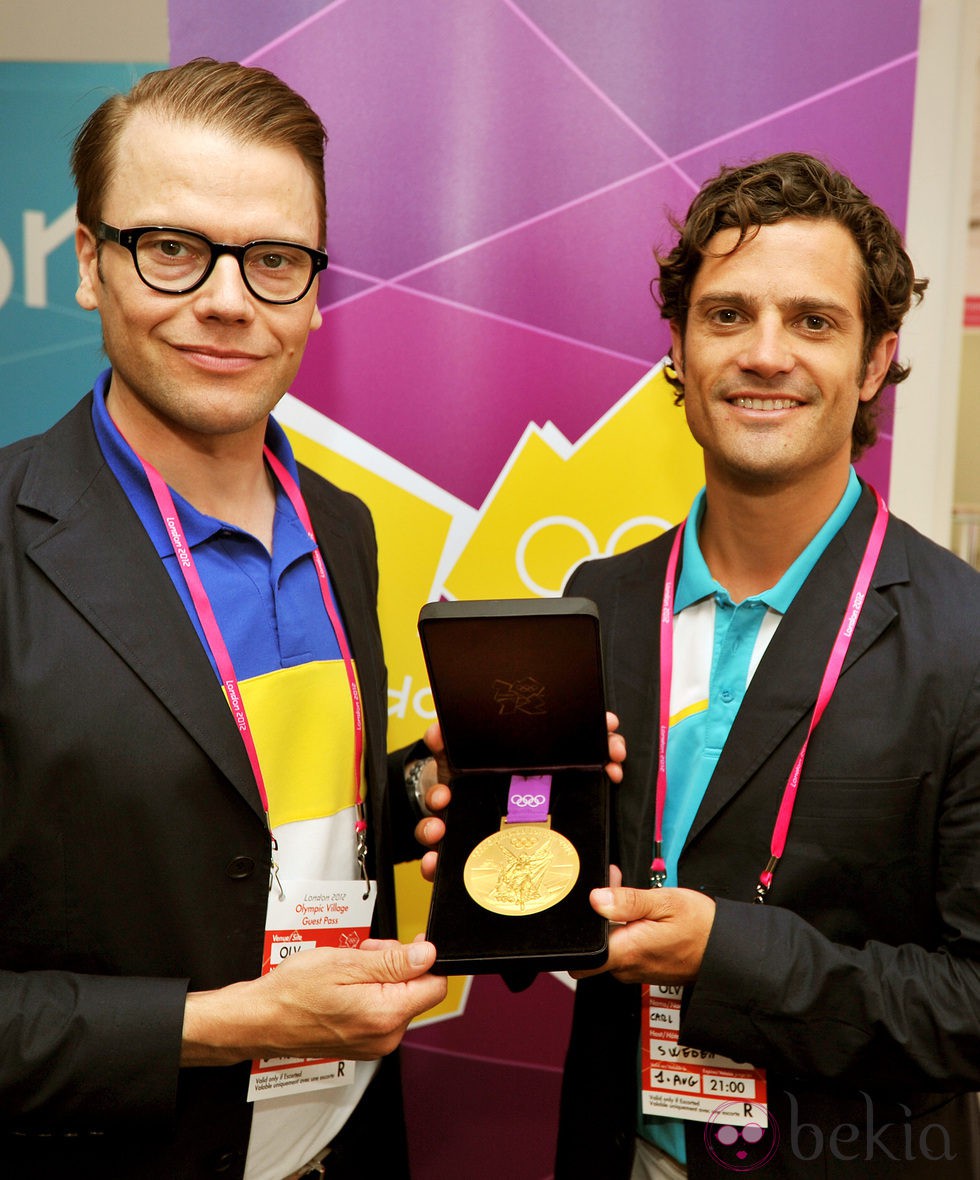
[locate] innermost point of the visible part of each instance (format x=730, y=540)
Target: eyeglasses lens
x=175, y=262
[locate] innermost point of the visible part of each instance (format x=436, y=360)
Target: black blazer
x=857, y=985
x=134, y=857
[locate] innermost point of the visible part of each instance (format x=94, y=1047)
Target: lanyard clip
x=658, y=869
x=274, y=868
x=361, y=849
x=765, y=881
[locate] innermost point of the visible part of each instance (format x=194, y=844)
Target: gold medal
x=522, y=869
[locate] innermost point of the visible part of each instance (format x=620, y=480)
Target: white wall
x=924, y=449
x=84, y=30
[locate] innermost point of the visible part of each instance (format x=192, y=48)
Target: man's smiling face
x=771, y=356
x=214, y=361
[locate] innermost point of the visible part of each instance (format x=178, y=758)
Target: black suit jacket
x=857, y=985
x=134, y=855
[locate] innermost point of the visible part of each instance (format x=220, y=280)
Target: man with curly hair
x=795, y=960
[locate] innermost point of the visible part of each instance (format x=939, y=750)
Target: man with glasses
x=192, y=693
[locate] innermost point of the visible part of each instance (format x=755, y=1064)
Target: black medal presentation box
x=518, y=690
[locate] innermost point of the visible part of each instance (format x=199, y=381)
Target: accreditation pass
x=303, y=916
x=695, y=1084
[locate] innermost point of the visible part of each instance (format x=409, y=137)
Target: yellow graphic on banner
x=627, y=480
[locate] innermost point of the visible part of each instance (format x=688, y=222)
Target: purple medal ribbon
x=529, y=799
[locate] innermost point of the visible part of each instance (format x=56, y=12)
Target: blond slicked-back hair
x=247, y=103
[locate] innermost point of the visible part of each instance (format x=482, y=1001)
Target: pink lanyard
x=859, y=593
x=219, y=650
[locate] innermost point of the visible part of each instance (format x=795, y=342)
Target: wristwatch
x=413, y=780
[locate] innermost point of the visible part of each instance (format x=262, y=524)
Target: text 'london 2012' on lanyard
x=859, y=593
x=219, y=650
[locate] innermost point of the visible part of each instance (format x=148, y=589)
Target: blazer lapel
x=89, y=542
x=784, y=688
x=631, y=642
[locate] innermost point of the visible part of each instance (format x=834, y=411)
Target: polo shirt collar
x=128, y=469
x=696, y=583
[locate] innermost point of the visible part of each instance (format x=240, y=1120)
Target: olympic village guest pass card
x=303, y=916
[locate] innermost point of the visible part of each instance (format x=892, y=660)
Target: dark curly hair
x=796, y=185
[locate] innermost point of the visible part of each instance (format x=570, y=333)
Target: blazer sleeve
x=403, y=812
x=87, y=1053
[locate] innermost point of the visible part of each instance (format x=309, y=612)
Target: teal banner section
x=50, y=349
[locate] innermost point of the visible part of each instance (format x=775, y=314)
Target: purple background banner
x=498, y=174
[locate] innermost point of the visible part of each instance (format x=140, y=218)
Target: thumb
x=413, y=959
x=387, y=961
x=627, y=905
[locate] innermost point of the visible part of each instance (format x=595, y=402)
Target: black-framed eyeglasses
x=178, y=261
